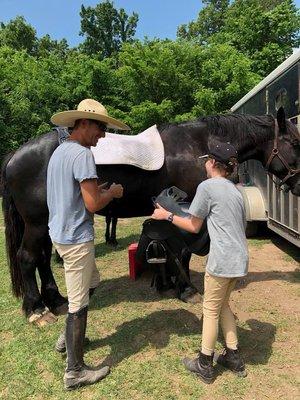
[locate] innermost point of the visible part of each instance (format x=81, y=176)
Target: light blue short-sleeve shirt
x=218, y=200
x=69, y=220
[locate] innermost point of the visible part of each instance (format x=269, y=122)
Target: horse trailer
x=263, y=200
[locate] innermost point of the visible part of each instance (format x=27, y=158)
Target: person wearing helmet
x=218, y=200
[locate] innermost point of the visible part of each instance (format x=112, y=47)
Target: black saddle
x=173, y=200
x=164, y=244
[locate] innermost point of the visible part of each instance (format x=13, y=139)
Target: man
x=218, y=200
x=73, y=197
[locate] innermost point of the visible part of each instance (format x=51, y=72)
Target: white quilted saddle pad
x=145, y=150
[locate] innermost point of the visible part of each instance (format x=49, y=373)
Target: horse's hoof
x=191, y=296
x=42, y=319
x=112, y=243
x=60, y=310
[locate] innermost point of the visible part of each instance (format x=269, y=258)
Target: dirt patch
x=266, y=304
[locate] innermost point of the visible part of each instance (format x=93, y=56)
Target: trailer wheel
x=251, y=229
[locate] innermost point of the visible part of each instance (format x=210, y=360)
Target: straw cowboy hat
x=87, y=109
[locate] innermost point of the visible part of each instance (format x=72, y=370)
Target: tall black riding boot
x=232, y=360
x=77, y=373
x=202, y=366
x=60, y=344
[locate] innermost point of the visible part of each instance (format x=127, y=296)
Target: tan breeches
x=81, y=273
x=216, y=306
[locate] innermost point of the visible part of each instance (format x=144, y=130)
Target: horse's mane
x=241, y=128
x=238, y=128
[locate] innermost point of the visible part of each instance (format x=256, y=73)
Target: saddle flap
x=158, y=230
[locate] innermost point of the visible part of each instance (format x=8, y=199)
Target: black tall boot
x=232, y=360
x=60, y=344
x=77, y=373
x=202, y=366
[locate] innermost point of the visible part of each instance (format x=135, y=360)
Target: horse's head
x=282, y=154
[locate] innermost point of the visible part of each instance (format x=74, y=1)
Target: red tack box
x=134, y=266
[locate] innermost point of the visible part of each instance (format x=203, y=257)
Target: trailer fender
x=254, y=203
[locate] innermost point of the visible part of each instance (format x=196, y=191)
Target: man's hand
x=103, y=187
x=116, y=190
x=95, y=197
x=160, y=213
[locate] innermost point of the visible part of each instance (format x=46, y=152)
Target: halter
x=275, y=152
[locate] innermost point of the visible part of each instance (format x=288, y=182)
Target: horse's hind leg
x=113, y=234
x=107, y=231
x=29, y=255
x=49, y=290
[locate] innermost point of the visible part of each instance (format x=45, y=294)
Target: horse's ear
x=281, y=120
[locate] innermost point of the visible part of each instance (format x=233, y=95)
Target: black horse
x=275, y=142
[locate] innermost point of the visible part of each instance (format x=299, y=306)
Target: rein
x=275, y=153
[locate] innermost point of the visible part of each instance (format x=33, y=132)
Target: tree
x=159, y=70
x=106, y=28
x=225, y=77
x=46, y=45
x=210, y=21
x=265, y=31
x=18, y=35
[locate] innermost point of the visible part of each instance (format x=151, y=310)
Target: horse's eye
x=296, y=143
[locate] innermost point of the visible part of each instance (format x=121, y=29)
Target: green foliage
x=18, y=35
x=225, y=77
x=148, y=113
x=159, y=70
x=264, y=31
x=32, y=89
x=216, y=60
x=210, y=21
x=46, y=45
x=106, y=28
x=266, y=34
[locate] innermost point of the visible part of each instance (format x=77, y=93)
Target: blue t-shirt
x=69, y=220
x=220, y=201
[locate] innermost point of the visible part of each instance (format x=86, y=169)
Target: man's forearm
x=104, y=197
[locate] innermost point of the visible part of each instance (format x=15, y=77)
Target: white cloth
x=145, y=150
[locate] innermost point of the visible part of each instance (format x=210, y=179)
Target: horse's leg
x=57, y=258
x=49, y=290
x=107, y=235
x=188, y=294
x=28, y=256
x=110, y=236
x=186, y=258
x=182, y=285
x=113, y=234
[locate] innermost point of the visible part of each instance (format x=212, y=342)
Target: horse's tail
x=14, y=229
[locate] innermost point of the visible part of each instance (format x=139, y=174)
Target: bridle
x=275, y=153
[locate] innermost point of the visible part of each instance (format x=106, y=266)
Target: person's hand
x=103, y=187
x=160, y=212
x=116, y=190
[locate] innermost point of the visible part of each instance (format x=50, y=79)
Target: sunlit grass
x=143, y=336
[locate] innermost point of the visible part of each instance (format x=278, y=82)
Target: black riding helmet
x=221, y=152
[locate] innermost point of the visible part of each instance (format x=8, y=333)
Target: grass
x=144, y=336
